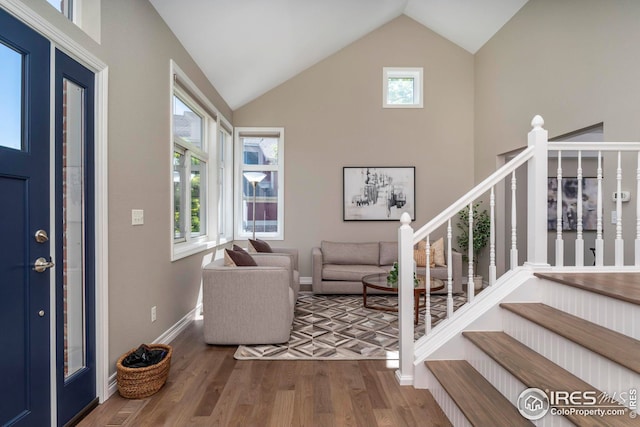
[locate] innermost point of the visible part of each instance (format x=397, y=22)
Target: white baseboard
x=167, y=337
x=306, y=280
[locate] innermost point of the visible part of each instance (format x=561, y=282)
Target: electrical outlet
x=137, y=216
x=153, y=313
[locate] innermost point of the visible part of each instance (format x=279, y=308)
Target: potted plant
x=392, y=277
x=481, y=234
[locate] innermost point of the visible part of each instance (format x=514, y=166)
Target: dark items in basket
x=143, y=357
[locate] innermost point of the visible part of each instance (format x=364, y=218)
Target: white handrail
x=474, y=194
x=593, y=146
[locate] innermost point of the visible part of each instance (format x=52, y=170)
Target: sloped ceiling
x=247, y=47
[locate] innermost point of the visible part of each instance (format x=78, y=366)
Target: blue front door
x=74, y=213
x=25, y=397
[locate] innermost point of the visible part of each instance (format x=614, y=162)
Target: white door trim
x=69, y=46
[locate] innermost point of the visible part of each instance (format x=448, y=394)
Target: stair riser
x=506, y=384
x=602, y=310
x=447, y=404
x=594, y=369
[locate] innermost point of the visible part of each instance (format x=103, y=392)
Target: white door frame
x=64, y=43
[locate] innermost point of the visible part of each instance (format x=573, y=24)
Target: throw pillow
x=238, y=258
x=237, y=248
x=437, y=249
x=260, y=246
x=420, y=254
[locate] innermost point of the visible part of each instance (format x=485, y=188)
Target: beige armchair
x=290, y=252
x=248, y=305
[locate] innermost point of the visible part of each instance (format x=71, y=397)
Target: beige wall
x=333, y=117
x=137, y=46
x=572, y=62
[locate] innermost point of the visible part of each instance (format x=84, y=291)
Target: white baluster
x=470, y=285
x=599, y=207
x=492, y=238
x=579, y=240
x=559, y=241
x=619, y=245
x=427, y=289
x=449, y=271
x=638, y=212
x=514, y=234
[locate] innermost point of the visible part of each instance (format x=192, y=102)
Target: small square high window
x=402, y=87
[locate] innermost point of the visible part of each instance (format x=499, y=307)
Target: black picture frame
x=378, y=193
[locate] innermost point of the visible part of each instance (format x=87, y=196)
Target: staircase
x=577, y=337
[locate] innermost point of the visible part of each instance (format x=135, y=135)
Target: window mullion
x=187, y=197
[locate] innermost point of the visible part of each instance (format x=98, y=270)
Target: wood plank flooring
x=208, y=387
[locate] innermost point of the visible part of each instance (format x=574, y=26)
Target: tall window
x=402, y=87
x=260, y=150
x=201, y=170
x=192, y=138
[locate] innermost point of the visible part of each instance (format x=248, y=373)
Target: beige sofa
x=338, y=267
x=249, y=305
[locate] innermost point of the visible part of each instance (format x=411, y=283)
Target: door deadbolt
x=42, y=264
x=41, y=236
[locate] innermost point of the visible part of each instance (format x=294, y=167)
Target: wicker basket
x=138, y=383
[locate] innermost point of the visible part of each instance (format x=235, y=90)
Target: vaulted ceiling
x=247, y=47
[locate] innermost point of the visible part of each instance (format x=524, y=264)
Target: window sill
x=183, y=250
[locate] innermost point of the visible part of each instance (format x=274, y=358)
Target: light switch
x=137, y=217
x=614, y=217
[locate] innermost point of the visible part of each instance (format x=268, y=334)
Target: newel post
x=405, y=300
x=537, y=175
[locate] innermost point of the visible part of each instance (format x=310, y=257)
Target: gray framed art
x=570, y=203
x=378, y=193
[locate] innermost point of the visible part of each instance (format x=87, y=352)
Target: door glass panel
x=73, y=225
x=11, y=99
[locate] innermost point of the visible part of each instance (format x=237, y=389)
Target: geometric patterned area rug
x=338, y=327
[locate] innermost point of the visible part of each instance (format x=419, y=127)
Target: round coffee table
x=379, y=281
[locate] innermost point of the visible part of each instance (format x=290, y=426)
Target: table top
x=379, y=281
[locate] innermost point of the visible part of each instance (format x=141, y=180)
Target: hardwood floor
x=208, y=387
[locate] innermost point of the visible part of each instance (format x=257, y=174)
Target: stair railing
x=503, y=185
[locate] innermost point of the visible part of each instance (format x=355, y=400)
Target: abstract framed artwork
x=570, y=203
x=378, y=193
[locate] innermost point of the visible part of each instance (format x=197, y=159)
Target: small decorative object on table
x=392, y=277
x=152, y=361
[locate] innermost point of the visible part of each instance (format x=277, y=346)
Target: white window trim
x=212, y=239
x=239, y=234
x=225, y=166
x=418, y=89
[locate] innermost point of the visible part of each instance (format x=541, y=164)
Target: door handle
x=42, y=264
